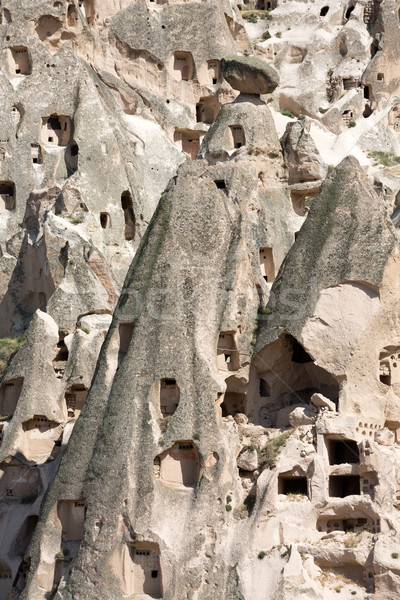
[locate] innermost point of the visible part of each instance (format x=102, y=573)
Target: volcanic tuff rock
x=249, y=75
x=206, y=401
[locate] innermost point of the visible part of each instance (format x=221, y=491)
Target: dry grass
x=352, y=540
x=268, y=455
x=295, y=496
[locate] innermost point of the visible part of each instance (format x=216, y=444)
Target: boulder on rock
x=301, y=415
x=248, y=459
x=249, y=75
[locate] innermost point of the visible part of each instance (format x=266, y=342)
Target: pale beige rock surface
x=206, y=404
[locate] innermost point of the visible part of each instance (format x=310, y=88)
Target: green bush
x=228, y=507
x=272, y=448
x=51, y=593
x=387, y=159
x=395, y=555
x=287, y=113
x=352, y=124
x=262, y=554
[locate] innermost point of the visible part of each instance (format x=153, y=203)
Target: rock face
x=205, y=399
x=249, y=75
x=302, y=156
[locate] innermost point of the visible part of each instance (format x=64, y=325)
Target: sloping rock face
x=98, y=120
x=206, y=403
x=189, y=290
x=302, y=156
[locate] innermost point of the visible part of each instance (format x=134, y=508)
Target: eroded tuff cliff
x=206, y=404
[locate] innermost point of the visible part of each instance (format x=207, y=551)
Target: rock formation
x=199, y=247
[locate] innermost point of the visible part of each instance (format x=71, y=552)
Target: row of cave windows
x=56, y=131
x=169, y=391
x=189, y=141
x=183, y=68
x=179, y=466
x=7, y=202
x=370, y=12
x=370, y=15
x=141, y=573
x=340, y=486
x=71, y=513
x=141, y=560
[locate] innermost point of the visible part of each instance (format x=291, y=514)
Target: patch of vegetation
x=241, y=512
x=330, y=168
x=352, y=124
x=164, y=424
x=252, y=16
x=352, y=540
x=84, y=329
x=387, y=159
x=284, y=553
x=8, y=348
x=301, y=117
x=74, y=220
x=322, y=110
x=308, y=200
x=268, y=455
x=287, y=113
x=261, y=554
x=279, y=34
x=353, y=592
x=296, y=496
x=5, y=417
x=51, y=593
x=228, y=507
x=395, y=555
x=196, y=436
